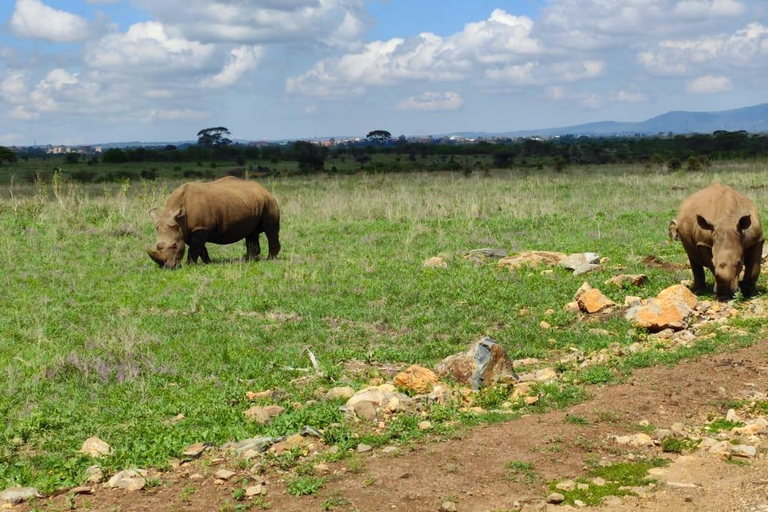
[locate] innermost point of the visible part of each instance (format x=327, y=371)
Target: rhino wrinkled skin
x=720, y=230
x=224, y=211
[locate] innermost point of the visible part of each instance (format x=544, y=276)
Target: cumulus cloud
x=253, y=22
x=588, y=24
x=433, y=102
x=500, y=41
x=241, y=60
x=709, y=84
x=631, y=97
x=745, y=48
x=175, y=115
x=582, y=100
x=35, y=20
x=13, y=88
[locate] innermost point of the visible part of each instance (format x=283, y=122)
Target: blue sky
x=90, y=71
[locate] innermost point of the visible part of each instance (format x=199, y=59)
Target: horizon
x=139, y=71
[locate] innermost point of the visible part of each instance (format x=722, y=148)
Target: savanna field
x=96, y=340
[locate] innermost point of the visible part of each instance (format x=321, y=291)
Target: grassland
x=96, y=340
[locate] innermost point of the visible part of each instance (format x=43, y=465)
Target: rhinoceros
x=221, y=212
x=720, y=229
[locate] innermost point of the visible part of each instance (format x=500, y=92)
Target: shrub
x=694, y=164
x=675, y=164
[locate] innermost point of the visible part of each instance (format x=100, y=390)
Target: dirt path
x=472, y=470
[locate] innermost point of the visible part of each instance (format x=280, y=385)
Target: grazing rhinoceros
x=222, y=212
x=720, y=229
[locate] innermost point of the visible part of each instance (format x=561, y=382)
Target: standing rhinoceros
x=222, y=212
x=720, y=229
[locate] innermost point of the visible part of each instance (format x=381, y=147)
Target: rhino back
x=228, y=209
x=717, y=204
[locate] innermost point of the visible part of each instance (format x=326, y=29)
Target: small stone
x=365, y=410
x=572, y=306
x=532, y=259
x=94, y=475
x=531, y=400
x=584, y=288
x=593, y=301
x=678, y=428
x=555, y=498
x=566, y=485
x=447, y=506
x=362, y=448
x=435, y=262
x=483, y=364
x=416, y=379
x=249, y=448
x=128, y=480
x=224, y=474
x=255, y=490
x=545, y=325
x=623, y=280
x=194, y=450
x=321, y=469
x=631, y=301
x=576, y=260
x=82, y=489
x=263, y=414
x=744, y=451
x=336, y=393
x=96, y=448
x=600, y=482
x=659, y=314
x=390, y=450
x=585, y=269
x=15, y=495
x=259, y=395
x=679, y=293
x=196, y=476
x=579, y=503
x=545, y=375
x=732, y=416
x=425, y=425
x=612, y=501
x=582, y=486
x=635, y=441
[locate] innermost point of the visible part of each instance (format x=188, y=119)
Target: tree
x=72, y=158
x=379, y=136
x=213, y=137
x=311, y=157
x=114, y=156
x=7, y=154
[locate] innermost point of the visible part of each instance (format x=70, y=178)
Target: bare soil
x=471, y=470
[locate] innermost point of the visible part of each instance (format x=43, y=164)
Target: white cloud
x=35, y=20
x=176, y=115
x=709, y=84
x=241, y=60
x=631, y=97
x=433, y=102
x=13, y=89
x=330, y=22
x=502, y=41
x=583, y=100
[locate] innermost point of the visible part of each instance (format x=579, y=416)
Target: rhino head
x=727, y=252
x=169, y=248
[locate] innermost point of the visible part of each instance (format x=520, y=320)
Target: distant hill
x=751, y=119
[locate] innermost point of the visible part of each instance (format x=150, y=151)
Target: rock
x=439, y=394
x=732, y=416
x=752, y=428
x=96, y=448
x=447, y=506
x=435, y=262
x=584, y=288
x=94, y=475
x=196, y=476
x=128, y=480
x=365, y=410
x=743, y=450
x=679, y=293
x=631, y=301
x=425, y=425
x=344, y=392
x=663, y=433
x=574, y=261
x=623, y=280
x=555, y=498
x=531, y=259
x=572, y=306
x=579, y=503
x=321, y=469
x=368, y=402
x=566, y=485
x=612, y=501
x=531, y=400
x=250, y=448
x=593, y=301
x=259, y=395
x=416, y=379
x=635, y=441
x=600, y=482
x=362, y=448
x=80, y=490
x=224, y=474
x=585, y=269
x=390, y=450
x=545, y=375
x=263, y=414
x=15, y=495
x=722, y=449
x=255, y=490
x=484, y=364
x=289, y=443
x=659, y=314
x=195, y=450
x=545, y=325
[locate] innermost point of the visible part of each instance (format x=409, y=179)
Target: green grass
x=96, y=340
x=521, y=471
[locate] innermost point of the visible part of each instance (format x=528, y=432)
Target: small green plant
x=672, y=444
x=186, y=493
x=576, y=420
x=519, y=470
x=722, y=424
x=305, y=485
x=238, y=494
x=333, y=501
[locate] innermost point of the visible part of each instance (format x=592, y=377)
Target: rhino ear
x=153, y=214
x=704, y=223
x=745, y=222
x=179, y=213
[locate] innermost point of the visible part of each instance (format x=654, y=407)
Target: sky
x=96, y=71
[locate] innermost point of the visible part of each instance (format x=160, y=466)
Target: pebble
x=448, y=506
x=224, y=474
x=14, y=495
x=744, y=451
x=555, y=498
x=95, y=447
x=362, y=448
x=129, y=480
x=255, y=490
x=425, y=425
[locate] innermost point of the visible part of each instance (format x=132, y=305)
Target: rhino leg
x=252, y=246
x=752, y=258
x=699, y=278
x=272, y=230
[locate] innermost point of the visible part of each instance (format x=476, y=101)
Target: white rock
x=129, y=480
x=95, y=447
x=732, y=416
x=224, y=474
x=14, y=495
x=744, y=451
